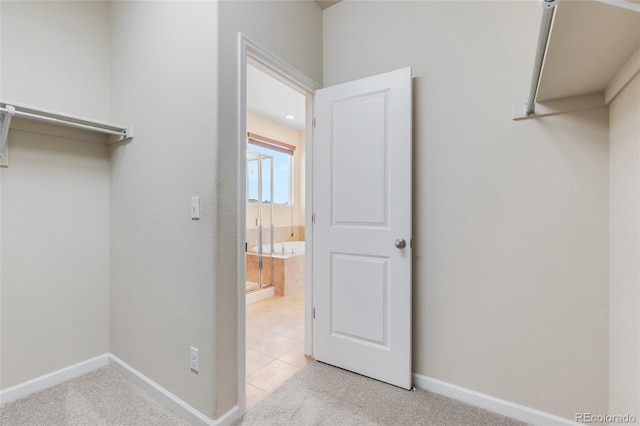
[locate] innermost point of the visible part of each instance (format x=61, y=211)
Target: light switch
x=195, y=208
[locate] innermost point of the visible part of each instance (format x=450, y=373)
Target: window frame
x=277, y=146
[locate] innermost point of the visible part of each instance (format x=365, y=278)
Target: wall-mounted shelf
x=589, y=43
x=593, y=49
x=11, y=110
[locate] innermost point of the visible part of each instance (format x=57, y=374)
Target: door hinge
x=314, y=122
x=314, y=313
x=313, y=218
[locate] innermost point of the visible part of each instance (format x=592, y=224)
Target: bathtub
x=291, y=248
x=286, y=269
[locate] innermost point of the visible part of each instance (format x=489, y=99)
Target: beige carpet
x=101, y=398
x=325, y=395
x=318, y=395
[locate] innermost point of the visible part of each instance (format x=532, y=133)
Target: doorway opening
x=276, y=131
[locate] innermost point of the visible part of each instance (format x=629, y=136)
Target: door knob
x=400, y=243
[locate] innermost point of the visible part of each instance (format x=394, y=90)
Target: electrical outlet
x=193, y=359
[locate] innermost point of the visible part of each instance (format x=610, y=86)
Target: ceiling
x=271, y=99
x=328, y=3
x=589, y=42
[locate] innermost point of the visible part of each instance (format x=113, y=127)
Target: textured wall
x=510, y=218
x=55, y=255
x=55, y=193
x=624, y=272
x=163, y=82
x=55, y=55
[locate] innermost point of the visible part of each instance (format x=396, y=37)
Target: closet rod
x=13, y=112
x=543, y=40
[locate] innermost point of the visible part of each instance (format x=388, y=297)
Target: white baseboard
x=55, y=378
x=166, y=398
x=490, y=403
x=169, y=400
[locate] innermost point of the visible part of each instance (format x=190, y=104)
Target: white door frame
x=300, y=82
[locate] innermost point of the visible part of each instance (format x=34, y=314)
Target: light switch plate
x=194, y=359
x=195, y=208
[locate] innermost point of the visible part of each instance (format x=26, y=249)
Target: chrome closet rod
x=122, y=133
x=543, y=40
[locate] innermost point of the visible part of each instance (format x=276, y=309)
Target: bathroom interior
x=275, y=233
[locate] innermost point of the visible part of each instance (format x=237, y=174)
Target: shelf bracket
x=4, y=128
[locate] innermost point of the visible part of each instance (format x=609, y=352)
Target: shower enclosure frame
x=259, y=158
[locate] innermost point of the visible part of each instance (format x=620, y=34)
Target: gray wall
x=624, y=275
x=55, y=55
x=55, y=193
x=55, y=255
x=164, y=82
x=510, y=218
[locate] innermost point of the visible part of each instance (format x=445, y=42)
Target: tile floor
x=275, y=344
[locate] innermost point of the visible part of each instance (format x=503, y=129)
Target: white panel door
x=362, y=228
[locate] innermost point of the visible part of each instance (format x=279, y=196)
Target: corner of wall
x=624, y=251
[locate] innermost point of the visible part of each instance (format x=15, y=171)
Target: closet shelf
x=9, y=110
x=589, y=44
x=592, y=49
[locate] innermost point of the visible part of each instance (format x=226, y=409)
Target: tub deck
x=288, y=272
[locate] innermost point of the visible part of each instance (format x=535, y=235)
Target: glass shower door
x=259, y=271
x=266, y=215
x=252, y=223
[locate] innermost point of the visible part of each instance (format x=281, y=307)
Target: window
x=282, y=155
